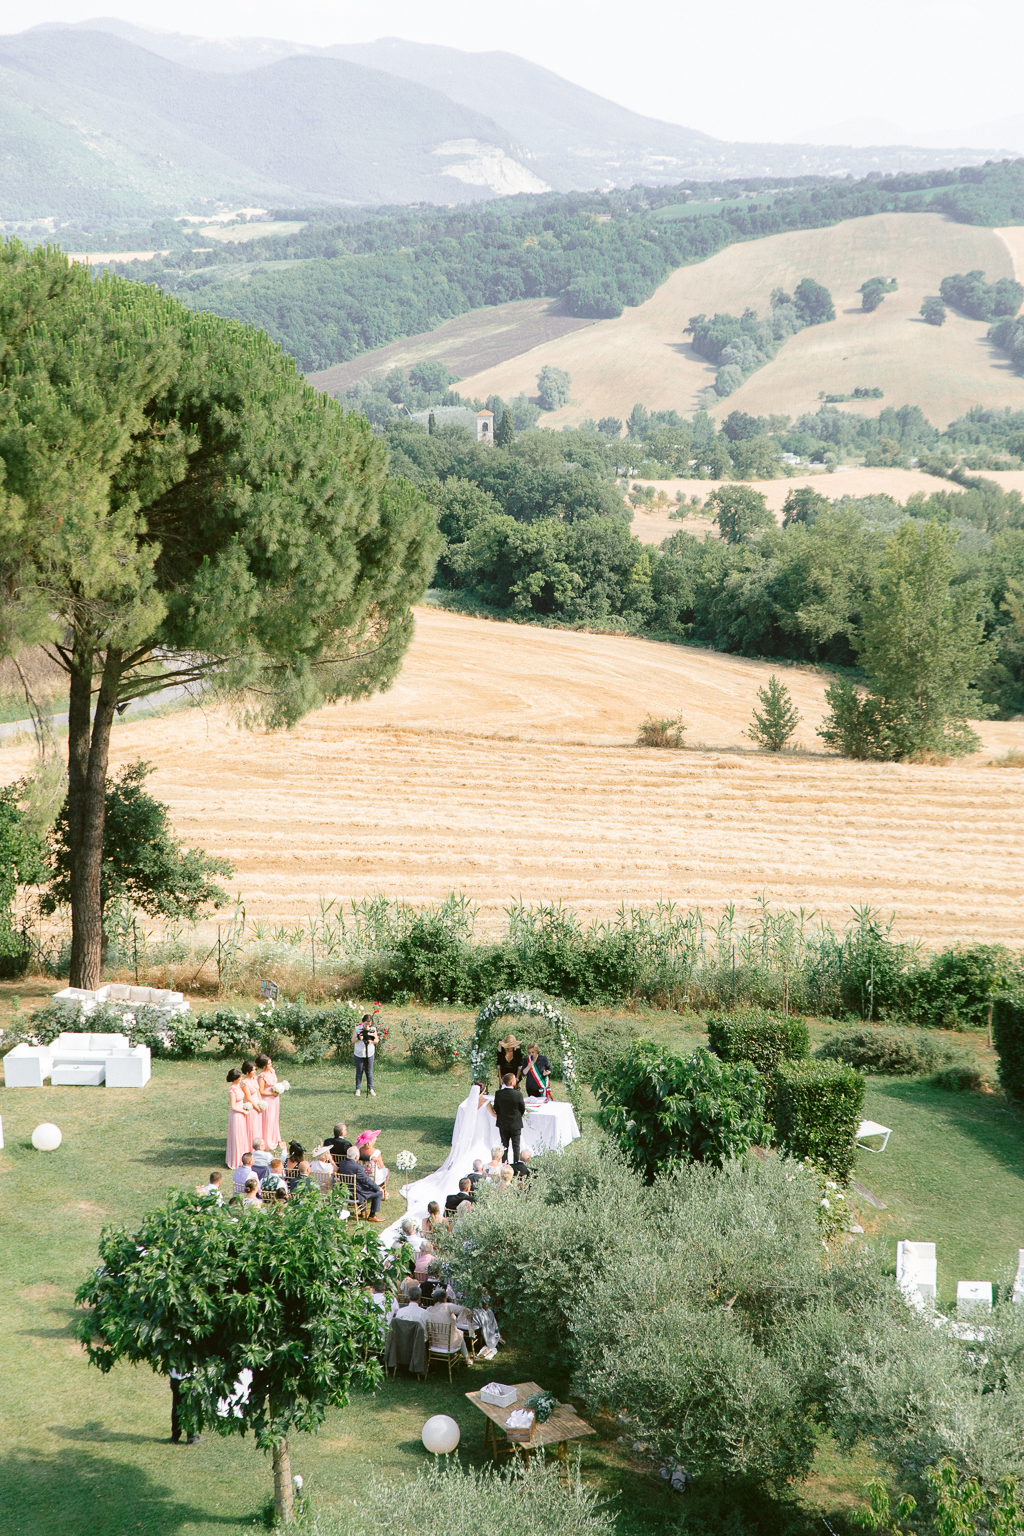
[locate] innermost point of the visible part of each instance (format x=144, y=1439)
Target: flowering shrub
x=434, y=1047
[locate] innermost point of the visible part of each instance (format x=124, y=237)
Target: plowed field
x=501, y=765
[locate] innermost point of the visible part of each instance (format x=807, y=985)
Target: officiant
x=510, y=1058
x=536, y=1075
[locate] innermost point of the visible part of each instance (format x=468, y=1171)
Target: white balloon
x=46, y=1137
x=440, y=1434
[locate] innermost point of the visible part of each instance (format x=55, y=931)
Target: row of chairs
x=327, y=1182
x=419, y=1345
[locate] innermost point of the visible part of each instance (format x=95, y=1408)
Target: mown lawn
x=88, y=1455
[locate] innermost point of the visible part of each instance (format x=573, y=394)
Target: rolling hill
x=103, y=119
x=644, y=355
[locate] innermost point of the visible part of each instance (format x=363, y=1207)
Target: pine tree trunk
x=283, y=1506
x=88, y=751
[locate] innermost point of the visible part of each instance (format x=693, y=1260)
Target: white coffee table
x=76, y=1074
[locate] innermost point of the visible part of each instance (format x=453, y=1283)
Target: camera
x=365, y=1033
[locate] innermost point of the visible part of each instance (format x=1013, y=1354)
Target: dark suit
x=339, y=1146
x=509, y=1109
x=454, y=1201
x=366, y=1189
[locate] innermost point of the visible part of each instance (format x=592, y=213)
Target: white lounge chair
x=872, y=1128
x=916, y=1271
x=974, y=1296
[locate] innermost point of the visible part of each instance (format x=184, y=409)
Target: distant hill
x=104, y=119
x=93, y=126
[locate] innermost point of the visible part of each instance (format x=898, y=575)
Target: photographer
x=364, y=1043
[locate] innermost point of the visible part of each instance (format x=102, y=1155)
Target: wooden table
x=564, y=1424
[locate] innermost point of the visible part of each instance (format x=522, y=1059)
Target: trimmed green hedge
x=1008, y=1039
x=817, y=1110
x=755, y=1035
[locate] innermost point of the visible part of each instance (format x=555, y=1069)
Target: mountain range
x=102, y=121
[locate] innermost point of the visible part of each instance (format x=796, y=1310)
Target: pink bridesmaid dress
x=240, y=1131
x=271, y=1108
x=256, y=1107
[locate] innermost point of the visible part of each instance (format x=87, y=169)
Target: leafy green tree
x=663, y=1108
x=755, y=458
x=739, y=425
x=874, y=291
x=773, y=725
x=144, y=864
x=933, y=311
x=22, y=862
x=207, y=1292
x=813, y=302
x=739, y=511
x=552, y=388
x=178, y=506
x=505, y=431
x=804, y=505
x=610, y=426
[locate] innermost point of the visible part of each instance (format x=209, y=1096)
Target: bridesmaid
x=239, y=1120
x=266, y=1083
x=250, y=1088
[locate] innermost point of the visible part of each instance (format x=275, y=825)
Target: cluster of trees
x=1009, y=335
x=739, y=345
x=971, y=295
x=874, y=291
x=368, y=278
x=539, y=531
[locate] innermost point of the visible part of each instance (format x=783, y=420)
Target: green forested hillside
x=401, y=271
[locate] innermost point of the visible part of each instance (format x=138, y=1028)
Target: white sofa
x=78, y=1001
x=89, y=1060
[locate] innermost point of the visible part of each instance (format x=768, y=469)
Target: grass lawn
x=88, y=1455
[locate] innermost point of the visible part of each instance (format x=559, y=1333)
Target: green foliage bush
x=755, y=1035
x=532, y=1498
x=961, y=1077
x=892, y=1052
x=1008, y=1039
x=435, y=1047
x=817, y=1110
x=662, y=1108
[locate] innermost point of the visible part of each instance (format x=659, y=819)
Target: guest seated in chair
x=412, y=1311
x=435, y=1222
x=251, y=1196
x=275, y=1178
x=441, y=1310
x=522, y=1168
x=262, y=1158
x=322, y=1161
x=366, y=1189
x=213, y=1188
x=465, y=1192
x=477, y=1173
x=407, y=1233
x=339, y=1143
x=492, y=1170
x=243, y=1173
x=423, y=1259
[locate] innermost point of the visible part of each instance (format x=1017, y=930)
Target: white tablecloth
x=548, y=1127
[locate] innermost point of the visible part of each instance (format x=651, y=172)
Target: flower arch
x=520, y=1005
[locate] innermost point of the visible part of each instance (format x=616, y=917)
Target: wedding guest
x=366, y=1141
x=213, y=1188
x=412, y=1311
x=250, y=1087
x=506, y=1177
x=275, y=1178
x=240, y=1128
x=262, y=1157
x=281, y=1196
x=322, y=1161
x=510, y=1057
x=266, y=1083
x=477, y=1174
x=303, y=1177
x=339, y=1142
x=440, y=1310
x=509, y=1109
x=251, y=1195
x=244, y=1172
x=522, y=1168
x=465, y=1193
x=407, y=1233
x=493, y=1168
x=366, y=1189
x=364, y=1048
x=423, y=1259
x=435, y=1222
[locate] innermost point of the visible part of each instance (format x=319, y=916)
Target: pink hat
x=365, y=1137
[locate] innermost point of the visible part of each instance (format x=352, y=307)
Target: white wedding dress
x=548, y=1126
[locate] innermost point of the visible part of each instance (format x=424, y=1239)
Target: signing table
x=564, y=1424
x=548, y=1127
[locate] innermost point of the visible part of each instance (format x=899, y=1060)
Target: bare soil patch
x=469, y=344
x=501, y=765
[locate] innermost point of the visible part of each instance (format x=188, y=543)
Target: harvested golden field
x=900, y=484
x=466, y=345
x=501, y=765
x=644, y=355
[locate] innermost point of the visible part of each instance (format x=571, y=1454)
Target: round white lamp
x=46, y=1137
x=440, y=1434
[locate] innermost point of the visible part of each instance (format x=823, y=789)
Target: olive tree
x=178, y=507
x=209, y=1291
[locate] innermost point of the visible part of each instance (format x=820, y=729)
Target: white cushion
x=107, y=1043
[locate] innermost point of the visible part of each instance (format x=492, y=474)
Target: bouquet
x=405, y=1161
x=282, y=1086
x=543, y=1405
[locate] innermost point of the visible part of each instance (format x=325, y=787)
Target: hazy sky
x=740, y=69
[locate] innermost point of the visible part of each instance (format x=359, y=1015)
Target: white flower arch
x=519, y=1005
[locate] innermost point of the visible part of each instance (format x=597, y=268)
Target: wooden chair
x=347, y=1181
x=439, y=1341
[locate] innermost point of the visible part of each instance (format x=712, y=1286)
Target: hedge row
x=817, y=1111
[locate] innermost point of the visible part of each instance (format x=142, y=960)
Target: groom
x=509, y=1109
